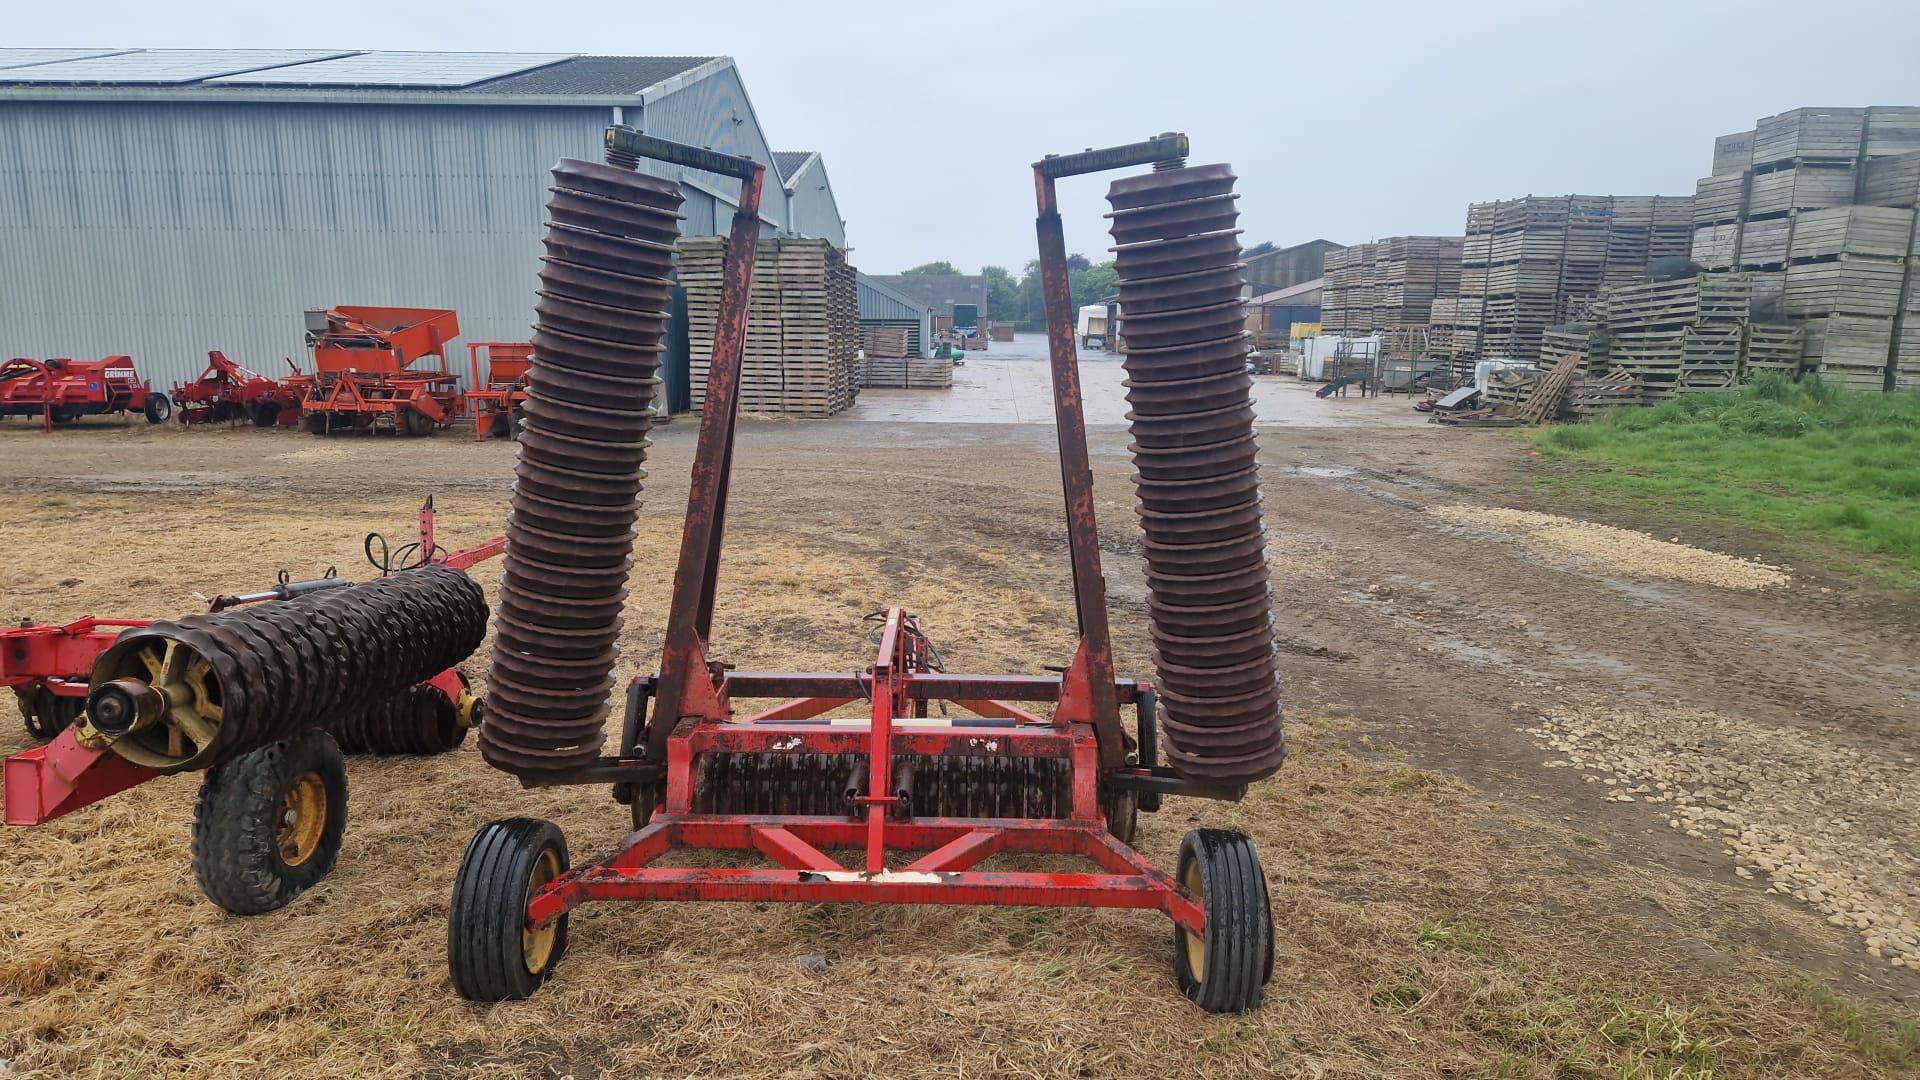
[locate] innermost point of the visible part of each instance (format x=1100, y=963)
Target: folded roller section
x=1197, y=474
x=601, y=315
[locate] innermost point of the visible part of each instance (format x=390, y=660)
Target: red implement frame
x=230, y=391
x=494, y=395
x=370, y=362
x=695, y=696
x=65, y=775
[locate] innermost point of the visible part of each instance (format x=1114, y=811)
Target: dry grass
x=1423, y=931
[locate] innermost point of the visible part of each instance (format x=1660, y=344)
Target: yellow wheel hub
x=1195, y=943
x=536, y=946
x=303, y=818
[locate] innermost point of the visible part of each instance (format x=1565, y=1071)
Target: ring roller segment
x=234, y=681
x=600, y=319
x=1197, y=475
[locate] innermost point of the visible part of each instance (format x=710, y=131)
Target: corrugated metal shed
x=882, y=306
x=167, y=220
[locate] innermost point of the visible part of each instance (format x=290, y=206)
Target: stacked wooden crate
x=1894, y=182
x=1680, y=335
x=1815, y=204
x=802, y=325
x=1771, y=347
x=1585, y=340
x=1597, y=394
x=1535, y=262
x=884, y=340
x=1846, y=273
x=925, y=374
x=1453, y=337
x=1336, y=292
x=1388, y=285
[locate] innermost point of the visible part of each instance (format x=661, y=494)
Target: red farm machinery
x=61, y=391
x=497, y=393
x=228, y=392
x=379, y=369
x=239, y=695
x=1031, y=764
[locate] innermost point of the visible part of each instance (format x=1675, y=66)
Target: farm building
x=884, y=307
x=942, y=294
x=1272, y=316
x=181, y=200
x=1271, y=267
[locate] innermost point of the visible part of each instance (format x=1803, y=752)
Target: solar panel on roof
x=164, y=65
x=12, y=58
x=399, y=69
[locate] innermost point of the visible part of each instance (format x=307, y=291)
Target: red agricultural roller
x=845, y=786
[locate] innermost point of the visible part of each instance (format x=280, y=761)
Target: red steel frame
x=65, y=775
x=695, y=710
x=363, y=365
x=503, y=387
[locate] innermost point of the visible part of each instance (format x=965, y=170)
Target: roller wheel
x=417, y=423
x=265, y=414
x=267, y=826
x=1122, y=811
x=158, y=409
x=46, y=713
x=317, y=424
x=491, y=954
x=1225, y=968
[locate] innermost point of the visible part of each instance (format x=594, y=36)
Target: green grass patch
x=1801, y=459
x=1879, y=1037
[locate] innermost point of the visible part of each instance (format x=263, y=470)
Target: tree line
x=1018, y=300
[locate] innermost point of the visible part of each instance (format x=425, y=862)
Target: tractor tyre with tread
x=158, y=409
x=491, y=954
x=267, y=825
x=1226, y=967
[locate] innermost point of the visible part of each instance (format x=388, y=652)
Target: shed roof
x=1291, y=292
x=790, y=162
x=939, y=292
x=292, y=72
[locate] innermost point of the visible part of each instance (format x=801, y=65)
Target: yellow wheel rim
x=303, y=818
x=536, y=946
x=1195, y=943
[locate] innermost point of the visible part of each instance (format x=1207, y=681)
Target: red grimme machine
x=919, y=801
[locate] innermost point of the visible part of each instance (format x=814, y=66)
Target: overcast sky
x=1344, y=120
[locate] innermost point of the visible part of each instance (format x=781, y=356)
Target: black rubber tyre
x=46, y=713
x=490, y=954
x=1122, y=811
x=265, y=414
x=316, y=424
x=159, y=410
x=1225, y=968
x=65, y=416
x=268, y=824
x=417, y=423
